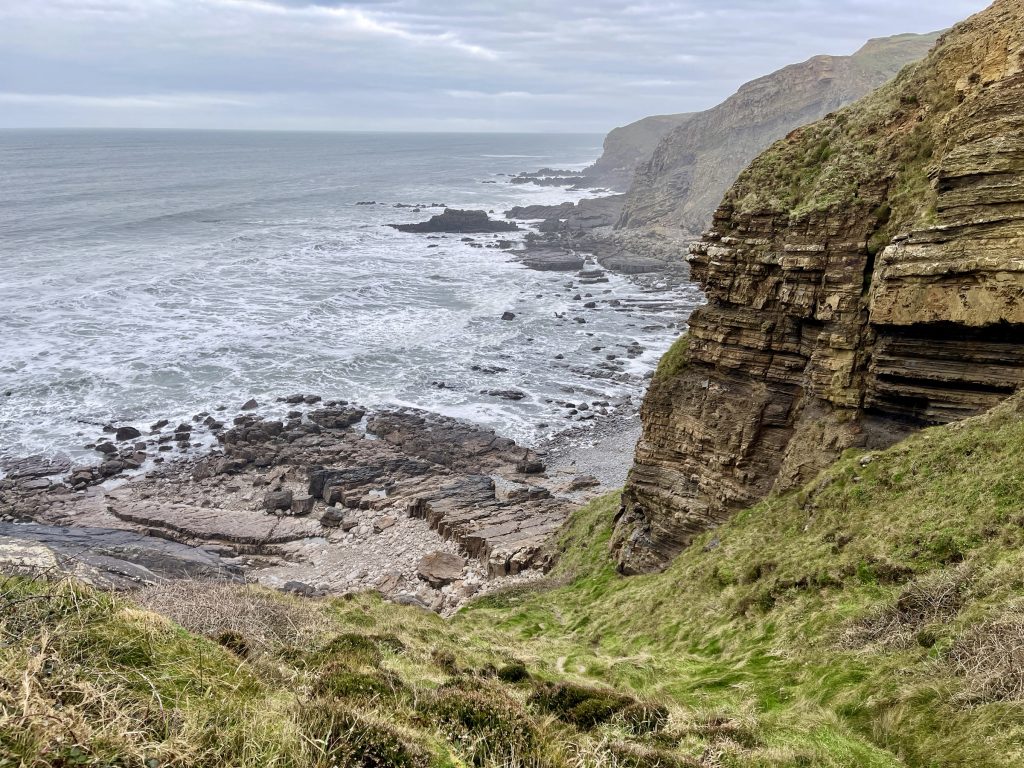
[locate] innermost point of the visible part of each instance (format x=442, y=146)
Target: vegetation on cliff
x=872, y=618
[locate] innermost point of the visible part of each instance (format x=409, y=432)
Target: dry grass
x=266, y=619
x=990, y=660
x=936, y=598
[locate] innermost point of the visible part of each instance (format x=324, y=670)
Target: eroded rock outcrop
x=454, y=221
x=864, y=278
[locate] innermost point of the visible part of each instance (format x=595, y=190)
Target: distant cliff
x=629, y=146
x=864, y=276
x=680, y=182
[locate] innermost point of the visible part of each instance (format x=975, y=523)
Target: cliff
x=678, y=187
x=629, y=146
x=864, y=278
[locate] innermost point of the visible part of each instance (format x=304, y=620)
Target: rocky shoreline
x=325, y=497
x=426, y=509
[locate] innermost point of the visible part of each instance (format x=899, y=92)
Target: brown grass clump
x=934, y=600
x=990, y=659
x=265, y=619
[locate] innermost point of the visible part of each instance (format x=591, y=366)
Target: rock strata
x=863, y=279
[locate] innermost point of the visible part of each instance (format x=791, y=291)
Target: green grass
x=870, y=619
x=674, y=360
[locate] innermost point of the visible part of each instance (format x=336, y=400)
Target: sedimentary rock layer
x=864, y=278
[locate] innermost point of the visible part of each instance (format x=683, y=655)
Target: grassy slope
x=874, y=619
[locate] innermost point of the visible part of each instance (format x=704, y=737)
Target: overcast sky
x=513, y=65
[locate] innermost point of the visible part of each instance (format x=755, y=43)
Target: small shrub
x=643, y=718
x=626, y=755
x=514, y=672
x=339, y=681
x=990, y=660
x=445, y=660
x=353, y=648
x=487, y=725
x=337, y=736
x=579, y=705
x=234, y=642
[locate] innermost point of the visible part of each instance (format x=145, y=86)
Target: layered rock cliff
x=864, y=276
x=676, y=190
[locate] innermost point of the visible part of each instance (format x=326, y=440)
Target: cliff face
x=865, y=277
x=678, y=188
x=627, y=147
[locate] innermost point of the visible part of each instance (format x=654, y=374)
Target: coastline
x=238, y=497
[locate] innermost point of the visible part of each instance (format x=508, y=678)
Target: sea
x=152, y=275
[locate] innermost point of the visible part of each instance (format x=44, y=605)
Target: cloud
x=162, y=101
x=414, y=64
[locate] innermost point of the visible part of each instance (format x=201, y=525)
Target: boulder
x=383, y=523
x=126, y=433
x=302, y=505
x=276, y=500
x=440, y=568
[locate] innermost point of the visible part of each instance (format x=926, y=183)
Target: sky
x=413, y=65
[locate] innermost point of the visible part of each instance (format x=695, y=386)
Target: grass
x=874, y=618
x=674, y=360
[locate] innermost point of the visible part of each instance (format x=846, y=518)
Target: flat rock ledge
x=333, y=500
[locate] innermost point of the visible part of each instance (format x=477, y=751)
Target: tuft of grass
x=674, y=360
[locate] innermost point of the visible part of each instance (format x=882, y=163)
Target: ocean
x=151, y=274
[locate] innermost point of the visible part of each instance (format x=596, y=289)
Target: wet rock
x=124, y=434
x=109, y=558
x=337, y=417
x=458, y=221
x=250, y=405
x=505, y=394
x=440, y=568
x=36, y=466
x=508, y=316
x=111, y=468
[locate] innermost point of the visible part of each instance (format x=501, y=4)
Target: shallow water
x=149, y=275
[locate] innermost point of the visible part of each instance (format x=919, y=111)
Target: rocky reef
x=458, y=222
x=864, y=279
